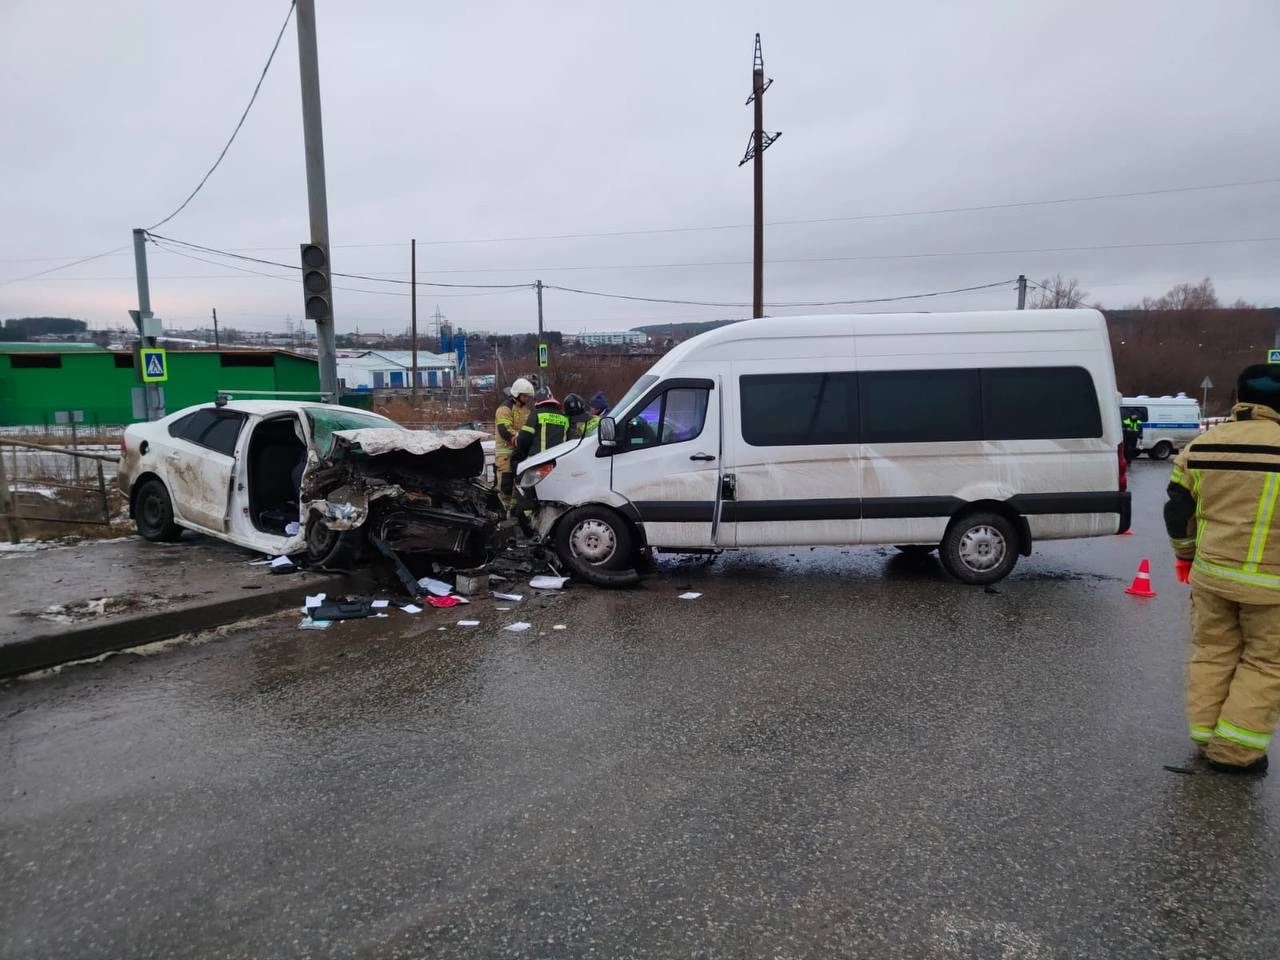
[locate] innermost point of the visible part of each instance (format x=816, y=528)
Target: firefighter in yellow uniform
x=1220, y=517
x=507, y=422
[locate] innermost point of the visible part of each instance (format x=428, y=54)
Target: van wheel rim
x=593, y=541
x=982, y=548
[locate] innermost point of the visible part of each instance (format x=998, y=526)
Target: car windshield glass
x=637, y=388
x=325, y=422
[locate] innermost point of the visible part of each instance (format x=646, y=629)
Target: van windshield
x=637, y=388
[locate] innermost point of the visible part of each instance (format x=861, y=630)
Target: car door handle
x=704, y=457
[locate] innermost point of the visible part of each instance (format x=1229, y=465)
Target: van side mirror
x=608, y=432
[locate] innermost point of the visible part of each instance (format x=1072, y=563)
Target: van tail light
x=1124, y=469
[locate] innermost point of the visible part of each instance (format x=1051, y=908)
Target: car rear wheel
x=1161, y=450
x=594, y=541
x=980, y=548
x=153, y=513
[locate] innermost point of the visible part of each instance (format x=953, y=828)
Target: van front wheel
x=594, y=541
x=980, y=548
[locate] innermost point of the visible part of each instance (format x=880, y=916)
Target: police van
x=1168, y=423
x=976, y=434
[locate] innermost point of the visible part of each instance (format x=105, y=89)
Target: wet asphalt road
x=836, y=754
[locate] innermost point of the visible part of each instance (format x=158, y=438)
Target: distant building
x=364, y=370
x=610, y=338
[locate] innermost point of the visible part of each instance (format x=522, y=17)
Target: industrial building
x=40, y=381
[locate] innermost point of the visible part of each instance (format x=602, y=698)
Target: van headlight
x=533, y=475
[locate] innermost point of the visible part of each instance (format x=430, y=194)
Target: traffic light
x=315, y=282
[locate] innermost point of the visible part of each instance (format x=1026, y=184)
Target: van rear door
x=668, y=462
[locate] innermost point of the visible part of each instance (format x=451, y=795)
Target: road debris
x=411, y=608
x=544, y=582
x=443, y=601
x=308, y=624
x=342, y=610
x=512, y=597
x=437, y=587
x=690, y=595
x=518, y=627
x=468, y=623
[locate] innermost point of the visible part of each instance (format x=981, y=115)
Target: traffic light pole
x=153, y=405
x=317, y=201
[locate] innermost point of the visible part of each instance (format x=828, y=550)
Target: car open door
x=199, y=467
x=669, y=463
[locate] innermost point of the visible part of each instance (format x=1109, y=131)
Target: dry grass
x=583, y=375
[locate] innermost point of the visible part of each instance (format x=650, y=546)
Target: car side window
x=216, y=430
x=674, y=416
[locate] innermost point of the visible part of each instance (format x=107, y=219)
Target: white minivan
x=973, y=433
x=1168, y=423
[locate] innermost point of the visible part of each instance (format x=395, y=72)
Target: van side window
x=1047, y=403
x=920, y=406
x=790, y=409
x=674, y=416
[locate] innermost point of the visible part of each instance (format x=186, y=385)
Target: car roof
x=266, y=407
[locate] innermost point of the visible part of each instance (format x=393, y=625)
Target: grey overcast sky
x=467, y=124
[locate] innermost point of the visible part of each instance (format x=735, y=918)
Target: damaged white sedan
x=315, y=479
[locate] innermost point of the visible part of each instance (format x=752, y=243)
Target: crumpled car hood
x=376, y=441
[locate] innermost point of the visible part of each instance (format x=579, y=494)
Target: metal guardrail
x=96, y=487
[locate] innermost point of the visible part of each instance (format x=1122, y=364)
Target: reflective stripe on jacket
x=1222, y=505
x=507, y=423
x=546, y=427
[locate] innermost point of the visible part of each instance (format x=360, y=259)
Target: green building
x=38, y=380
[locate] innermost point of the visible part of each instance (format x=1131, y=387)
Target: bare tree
x=1184, y=296
x=1058, y=291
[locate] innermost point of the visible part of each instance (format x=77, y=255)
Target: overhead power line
x=249, y=106
x=65, y=266
x=349, y=276
x=781, y=303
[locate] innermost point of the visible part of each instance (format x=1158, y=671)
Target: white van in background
x=973, y=433
x=1168, y=423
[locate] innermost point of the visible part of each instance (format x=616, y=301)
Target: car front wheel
x=980, y=548
x=153, y=513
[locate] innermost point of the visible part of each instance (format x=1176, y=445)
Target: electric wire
x=258, y=86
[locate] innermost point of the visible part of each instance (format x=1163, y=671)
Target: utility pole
x=317, y=201
x=760, y=142
x=1022, y=291
x=544, y=355
x=217, y=345
x=148, y=328
x=413, y=317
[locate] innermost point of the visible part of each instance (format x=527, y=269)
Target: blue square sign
x=1273, y=356
x=155, y=365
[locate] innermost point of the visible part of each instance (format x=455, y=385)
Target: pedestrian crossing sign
x=155, y=365
x=1273, y=356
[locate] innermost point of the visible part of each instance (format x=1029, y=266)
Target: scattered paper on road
x=443, y=601
x=513, y=597
x=691, y=595
x=379, y=604
x=260, y=563
x=281, y=562
x=545, y=582
x=437, y=587
x=313, y=601
x=410, y=608
x=468, y=623
x=292, y=529
x=559, y=626
x=518, y=626
x=309, y=624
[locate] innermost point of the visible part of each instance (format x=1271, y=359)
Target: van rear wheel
x=1161, y=450
x=980, y=548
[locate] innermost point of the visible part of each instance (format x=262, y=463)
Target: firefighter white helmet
x=522, y=388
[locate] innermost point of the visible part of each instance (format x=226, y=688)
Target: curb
x=92, y=639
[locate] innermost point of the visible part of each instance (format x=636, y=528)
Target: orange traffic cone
x=1141, y=586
